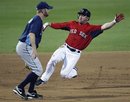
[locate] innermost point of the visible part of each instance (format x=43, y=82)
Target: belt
x=72, y=49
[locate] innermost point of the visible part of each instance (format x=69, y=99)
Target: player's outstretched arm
x=118, y=18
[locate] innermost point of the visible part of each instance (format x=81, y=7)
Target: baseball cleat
x=75, y=76
x=38, y=82
x=76, y=69
x=34, y=95
x=20, y=92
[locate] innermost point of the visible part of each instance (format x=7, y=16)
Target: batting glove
x=119, y=17
x=45, y=25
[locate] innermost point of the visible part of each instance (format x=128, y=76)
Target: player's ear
x=88, y=18
x=78, y=16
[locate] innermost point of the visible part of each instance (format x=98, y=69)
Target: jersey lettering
x=74, y=31
x=83, y=34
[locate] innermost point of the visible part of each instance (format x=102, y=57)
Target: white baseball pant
x=69, y=59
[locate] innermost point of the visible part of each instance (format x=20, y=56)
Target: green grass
x=15, y=13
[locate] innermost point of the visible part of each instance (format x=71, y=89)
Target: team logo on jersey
x=74, y=31
x=82, y=34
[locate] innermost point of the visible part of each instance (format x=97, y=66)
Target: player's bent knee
x=38, y=71
x=65, y=74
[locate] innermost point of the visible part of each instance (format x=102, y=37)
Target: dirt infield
x=103, y=77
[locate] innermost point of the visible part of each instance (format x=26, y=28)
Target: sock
x=27, y=80
x=32, y=83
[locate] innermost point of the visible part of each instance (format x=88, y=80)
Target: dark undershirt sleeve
x=96, y=33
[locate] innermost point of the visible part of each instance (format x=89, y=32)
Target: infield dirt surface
x=103, y=77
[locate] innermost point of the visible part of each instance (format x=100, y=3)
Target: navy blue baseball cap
x=84, y=12
x=43, y=5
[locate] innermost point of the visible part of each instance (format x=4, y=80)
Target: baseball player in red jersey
x=81, y=33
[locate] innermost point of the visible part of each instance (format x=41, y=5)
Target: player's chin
x=46, y=15
x=80, y=21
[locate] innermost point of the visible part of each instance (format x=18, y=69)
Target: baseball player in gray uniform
x=27, y=50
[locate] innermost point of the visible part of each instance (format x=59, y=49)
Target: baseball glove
x=119, y=17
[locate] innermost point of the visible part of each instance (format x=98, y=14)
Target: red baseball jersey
x=80, y=35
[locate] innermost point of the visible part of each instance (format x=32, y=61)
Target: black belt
x=73, y=50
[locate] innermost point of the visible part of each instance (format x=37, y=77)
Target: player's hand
x=119, y=17
x=34, y=54
x=45, y=25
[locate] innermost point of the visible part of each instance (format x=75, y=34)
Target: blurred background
x=14, y=14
